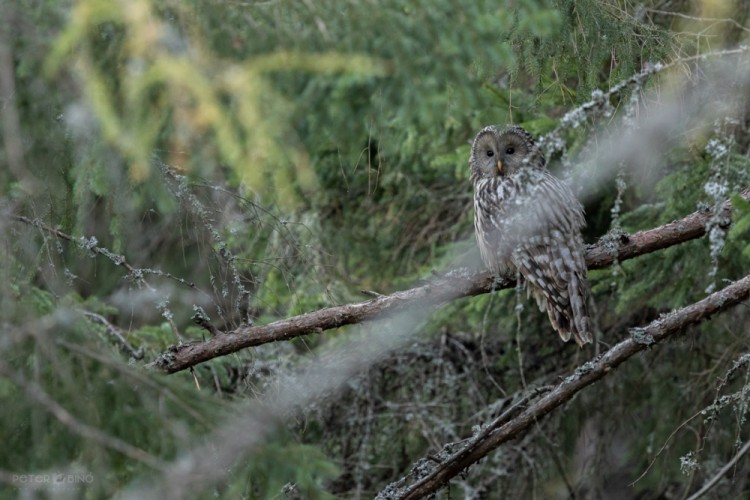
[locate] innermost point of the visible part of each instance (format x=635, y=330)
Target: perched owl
x=528, y=223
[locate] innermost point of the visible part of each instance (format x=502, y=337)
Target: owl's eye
x=510, y=151
x=490, y=152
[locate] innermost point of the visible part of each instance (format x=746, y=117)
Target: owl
x=528, y=225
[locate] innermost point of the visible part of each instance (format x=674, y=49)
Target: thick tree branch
x=453, y=285
x=588, y=373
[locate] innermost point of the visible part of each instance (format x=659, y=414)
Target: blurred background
x=248, y=161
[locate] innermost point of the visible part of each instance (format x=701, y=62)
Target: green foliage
x=73, y=361
x=147, y=87
x=257, y=160
x=301, y=468
x=119, y=401
x=738, y=233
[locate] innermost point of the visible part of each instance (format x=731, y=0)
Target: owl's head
x=502, y=152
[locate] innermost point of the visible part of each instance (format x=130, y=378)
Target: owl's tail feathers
x=566, y=307
x=569, y=314
x=582, y=335
x=581, y=324
x=579, y=328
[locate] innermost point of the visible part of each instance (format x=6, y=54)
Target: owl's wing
x=555, y=275
x=550, y=256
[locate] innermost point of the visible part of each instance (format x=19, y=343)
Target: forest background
x=182, y=182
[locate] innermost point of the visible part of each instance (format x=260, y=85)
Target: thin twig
x=710, y=484
x=116, y=333
x=90, y=245
x=701, y=19
x=709, y=412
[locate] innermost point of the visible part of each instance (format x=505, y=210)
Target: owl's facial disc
x=486, y=155
x=502, y=153
x=513, y=150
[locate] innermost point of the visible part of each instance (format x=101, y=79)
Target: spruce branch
x=657, y=331
x=449, y=286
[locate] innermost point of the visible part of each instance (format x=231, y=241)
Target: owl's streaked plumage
x=528, y=223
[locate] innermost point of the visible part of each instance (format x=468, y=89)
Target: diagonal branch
x=588, y=373
x=116, y=334
x=453, y=285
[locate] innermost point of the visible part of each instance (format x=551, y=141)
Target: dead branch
x=588, y=373
x=90, y=245
x=452, y=285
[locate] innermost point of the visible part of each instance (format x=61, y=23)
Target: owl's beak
x=500, y=166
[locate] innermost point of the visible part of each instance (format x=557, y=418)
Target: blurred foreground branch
x=494, y=435
x=450, y=286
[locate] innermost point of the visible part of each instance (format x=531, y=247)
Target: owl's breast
x=492, y=197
